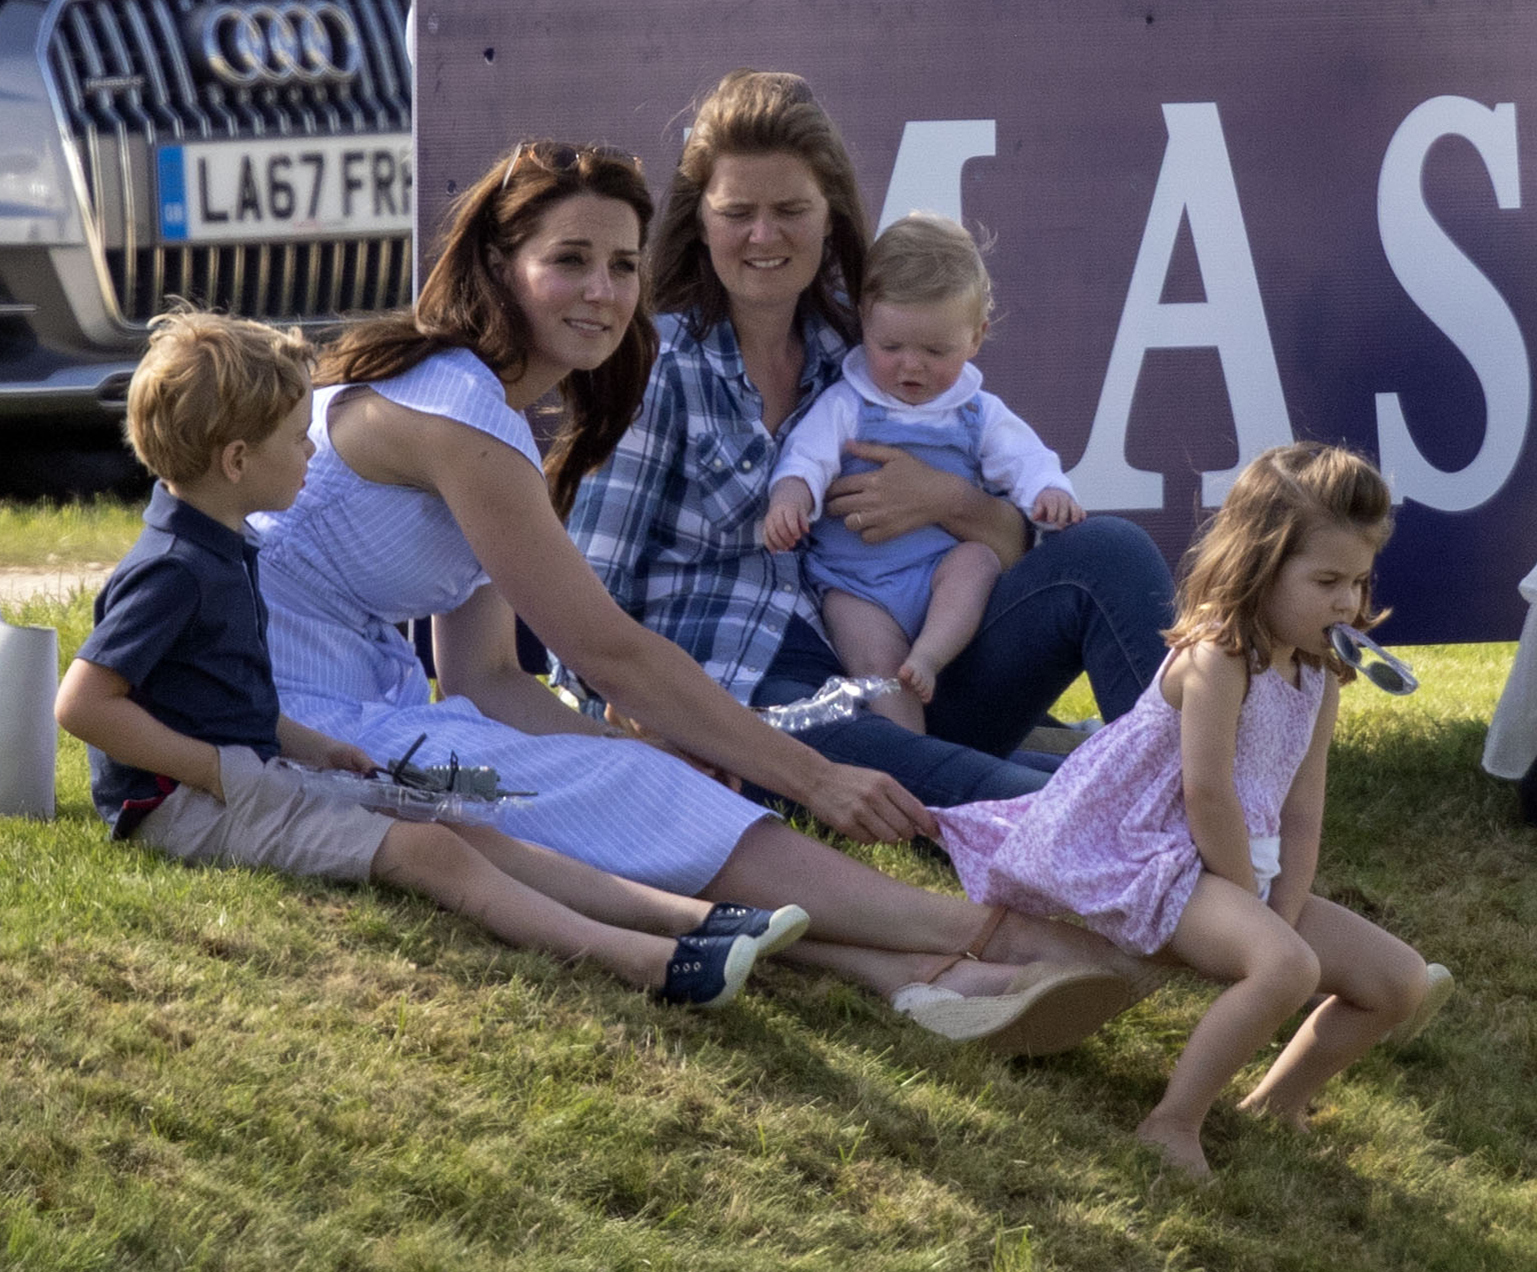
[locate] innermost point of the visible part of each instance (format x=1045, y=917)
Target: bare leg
x=434, y=860
x=959, y=591
x=851, y=903
x=869, y=642
x=593, y=892
x=1228, y=934
x=1373, y=980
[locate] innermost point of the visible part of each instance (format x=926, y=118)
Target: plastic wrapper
x=839, y=698
x=410, y=803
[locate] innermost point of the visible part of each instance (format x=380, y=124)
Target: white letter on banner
x=1459, y=298
x=1196, y=180
x=927, y=174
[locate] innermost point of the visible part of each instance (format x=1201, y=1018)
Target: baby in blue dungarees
x=906, y=606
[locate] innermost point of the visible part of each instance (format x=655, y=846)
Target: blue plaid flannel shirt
x=673, y=522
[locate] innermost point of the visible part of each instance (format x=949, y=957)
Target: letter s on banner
x=1459, y=298
x=927, y=174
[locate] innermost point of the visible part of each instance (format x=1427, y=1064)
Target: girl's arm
x=1208, y=689
x=500, y=503
x=93, y=704
x=904, y=493
x=1302, y=815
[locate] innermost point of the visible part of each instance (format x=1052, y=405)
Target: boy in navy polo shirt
x=173, y=693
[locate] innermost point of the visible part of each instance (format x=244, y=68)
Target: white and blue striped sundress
x=353, y=558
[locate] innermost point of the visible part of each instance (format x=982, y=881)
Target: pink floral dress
x=1107, y=838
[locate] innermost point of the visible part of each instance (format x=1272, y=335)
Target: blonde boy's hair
x=1275, y=503
x=208, y=380
x=924, y=258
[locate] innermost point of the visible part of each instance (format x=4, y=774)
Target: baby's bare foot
x=918, y=677
x=1179, y=1146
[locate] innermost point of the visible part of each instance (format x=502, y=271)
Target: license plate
x=284, y=188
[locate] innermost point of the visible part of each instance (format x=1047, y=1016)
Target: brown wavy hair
x=1276, y=501
x=207, y=380
x=754, y=113
x=464, y=304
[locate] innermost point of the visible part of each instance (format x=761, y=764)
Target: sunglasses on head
x=558, y=156
x=1390, y=673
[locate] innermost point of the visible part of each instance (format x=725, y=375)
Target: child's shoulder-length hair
x=1276, y=501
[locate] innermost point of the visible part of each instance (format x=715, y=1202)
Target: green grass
x=223, y=1069
x=36, y=536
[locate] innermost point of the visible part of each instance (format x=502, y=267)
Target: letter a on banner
x=1195, y=182
x=1459, y=298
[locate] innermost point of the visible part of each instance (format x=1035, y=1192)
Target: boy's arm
x=309, y=746
x=93, y=704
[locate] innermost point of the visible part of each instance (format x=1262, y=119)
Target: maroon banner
x=1218, y=225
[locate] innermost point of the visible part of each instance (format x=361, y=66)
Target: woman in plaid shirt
x=758, y=260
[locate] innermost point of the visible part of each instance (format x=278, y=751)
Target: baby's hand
x=789, y=514
x=1056, y=508
x=784, y=527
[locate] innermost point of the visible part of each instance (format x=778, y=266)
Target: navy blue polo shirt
x=182, y=621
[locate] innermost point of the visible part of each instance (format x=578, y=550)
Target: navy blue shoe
x=773, y=930
x=707, y=971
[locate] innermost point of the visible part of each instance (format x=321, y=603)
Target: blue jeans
x=1091, y=598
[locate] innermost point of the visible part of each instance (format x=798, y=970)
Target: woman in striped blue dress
x=426, y=496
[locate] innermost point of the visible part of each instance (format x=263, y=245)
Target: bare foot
x=918, y=677
x=1179, y=1146
x=1294, y=1119
x=972, y=978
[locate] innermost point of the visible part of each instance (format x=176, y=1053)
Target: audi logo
x=279, y=43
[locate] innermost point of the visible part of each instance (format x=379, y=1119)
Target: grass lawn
x=229, y=1070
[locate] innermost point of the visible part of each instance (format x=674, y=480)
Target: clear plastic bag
x=839, y=698
x=410, y=803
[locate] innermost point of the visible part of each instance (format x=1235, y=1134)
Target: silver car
x=253, y=157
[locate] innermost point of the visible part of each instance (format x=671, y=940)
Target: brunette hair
x=755, y=113
x=924, y=258
x=208, y=380
x=465, y=304
x=1276, y=501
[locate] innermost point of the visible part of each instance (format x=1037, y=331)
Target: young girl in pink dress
x=1190, y=826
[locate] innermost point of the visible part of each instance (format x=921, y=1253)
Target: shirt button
x=751, y=671
x=718, y=462
x=746, y=465
x=787, y=587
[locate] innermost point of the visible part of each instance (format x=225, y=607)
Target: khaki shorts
x=267, y=819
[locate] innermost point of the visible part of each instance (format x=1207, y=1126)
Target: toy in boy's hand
x=1390, y=674
x=438, y=792
x=838, y=699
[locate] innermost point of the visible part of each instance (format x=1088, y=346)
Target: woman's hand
x=902, y=494
x=869, y=806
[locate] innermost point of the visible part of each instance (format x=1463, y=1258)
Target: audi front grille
x=130, y=77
